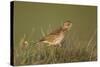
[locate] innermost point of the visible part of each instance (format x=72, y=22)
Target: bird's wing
x=49, y=38
x=52, y=35
x=56, y=32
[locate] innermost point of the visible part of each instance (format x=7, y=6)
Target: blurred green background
x=28, y=16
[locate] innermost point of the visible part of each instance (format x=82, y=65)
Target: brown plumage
x=57, y=36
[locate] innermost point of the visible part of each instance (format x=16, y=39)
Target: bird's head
x=67, y=25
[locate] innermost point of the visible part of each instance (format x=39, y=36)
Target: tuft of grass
x=72, y=50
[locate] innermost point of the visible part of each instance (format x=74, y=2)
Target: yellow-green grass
x=72, y=50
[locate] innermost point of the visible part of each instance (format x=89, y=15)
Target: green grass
x=72, y=50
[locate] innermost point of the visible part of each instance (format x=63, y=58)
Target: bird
x=56, y=36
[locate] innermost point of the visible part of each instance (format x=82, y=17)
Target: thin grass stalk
x=49, y=29
x=92, y=50
x=42, y=32
x=91, y=39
